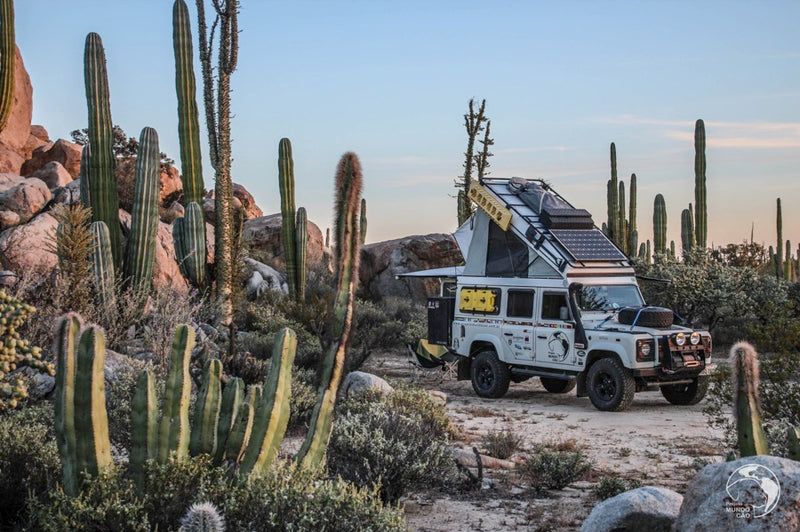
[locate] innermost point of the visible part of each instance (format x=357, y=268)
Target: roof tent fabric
x=506, y=255
x=476, y=256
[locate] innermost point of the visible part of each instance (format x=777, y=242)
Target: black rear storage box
x=440, y=317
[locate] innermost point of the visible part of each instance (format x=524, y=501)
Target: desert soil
x=652, y=442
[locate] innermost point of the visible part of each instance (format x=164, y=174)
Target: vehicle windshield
x=609, y=297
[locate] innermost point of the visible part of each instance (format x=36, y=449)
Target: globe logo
x=754, y=489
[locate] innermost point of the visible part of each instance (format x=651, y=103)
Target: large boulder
x=242, y=199
x=359, y=381
x=25, y=197
x=381, y=262
x=15, y=136
x=54, y=175
x=264, y=234
x=25, y=248
x=169, y=183
x=756, y=493
x=263, y=279
x=647, y=508
x=61, y=151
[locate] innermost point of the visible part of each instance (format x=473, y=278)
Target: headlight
x=680, y=339
x=695, y=338
x=644, y=350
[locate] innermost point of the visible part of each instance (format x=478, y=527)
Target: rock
x=40, y=133
x=25, y=247
x=8, y=219
x=647, y=508
x=438, y=396
x=242, y=200
x=14, y=137
x=62, y=151
x=68, y=194
x=263, y=279
x=359, y=381
x=264, y=234
x=209, y=210
x=26, y=197
x=53, y=174
x=468, y=458
x=382, y=261
x=173, y=212
x=169, y=183
x=719, y=493
x=8, y=279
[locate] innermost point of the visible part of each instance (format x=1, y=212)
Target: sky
x=391, y=80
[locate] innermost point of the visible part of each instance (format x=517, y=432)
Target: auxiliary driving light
x=695, y=338
x=680, y=339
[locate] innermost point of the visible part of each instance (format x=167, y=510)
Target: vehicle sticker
x=558, y=346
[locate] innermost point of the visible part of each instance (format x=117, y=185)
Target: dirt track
x=653, y=442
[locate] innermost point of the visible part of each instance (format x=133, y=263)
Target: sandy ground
x=652, y=442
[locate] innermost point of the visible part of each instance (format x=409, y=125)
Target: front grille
x=679, y=359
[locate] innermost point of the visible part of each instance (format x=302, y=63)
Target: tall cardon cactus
x=173, y=430
x=189, y=235
x=346, y=255
x=144, y=426
x=700, y=207
x=632, y=231
x=103, y=184
x=751, y=437
x=8, y=50
x=613, y=197
x=207, y=409
x=687, y=231
x=102, y=264
x=779, y=250
x=659, y=225
x=288, y=213
x=301, y=251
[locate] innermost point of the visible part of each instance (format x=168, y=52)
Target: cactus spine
x=102, y=263
x=202, y=517
x=346, y=255
x=188, y=123
x=701, y=213
x=144, y=426
x=173, y=432
x=659, y=225
x=301, y=249
x=232, y=398
x=687, y=231
x=140, y=254
x=8, y=50
x=288, y=222
x=102, y=185
x=207, y=409
x=744, y=361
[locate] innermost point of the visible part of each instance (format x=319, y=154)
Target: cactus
x=622, y=240
x=613, y=198
x=140, y=253
x=659, y=225
x=687, y=232
x=642, y=255
x=81, y=421
x=86, y=155
x=144, y=426
x=102, y=264
x=327, y=237
x=701, y=213
x=346, y=255
x=633, y=234
x=202, y=517
x=173, y=431
x=672, y=249
x=189, y=235
x=288, y=215
x=779, y=251
x=751, y=437
x=102, y=185
x=8, y=51
x=207, y=409
x=301, y=249
x=464, y=207
x=362, y=224
x=188, y=123
x=232, y=398
x=272, y=412
x=15, y=351
x=787, y=264
x=239, y=436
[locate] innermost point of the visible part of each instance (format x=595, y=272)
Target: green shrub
x=395, y=442
x=544, y=468
x=29, y=460
x=304, y=397
x=502, y=443
x=612, y=486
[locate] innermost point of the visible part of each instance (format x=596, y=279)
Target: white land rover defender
x=544, y=293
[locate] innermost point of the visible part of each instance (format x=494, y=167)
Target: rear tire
x=610, y=386
x=557, y=385
x=490, y=376
x=686, y=394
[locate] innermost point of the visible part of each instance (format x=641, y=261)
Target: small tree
x=475, y=123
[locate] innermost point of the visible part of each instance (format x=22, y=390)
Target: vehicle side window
x=520, y=304
x=554, y=306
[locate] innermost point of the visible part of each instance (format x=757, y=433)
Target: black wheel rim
x=605, y=386
x=484, y=377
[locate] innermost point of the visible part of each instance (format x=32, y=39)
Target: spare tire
x=655, y=317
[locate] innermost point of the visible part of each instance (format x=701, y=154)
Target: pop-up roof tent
x=523, y=228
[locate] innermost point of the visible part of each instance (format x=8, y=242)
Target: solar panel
x=588, y=244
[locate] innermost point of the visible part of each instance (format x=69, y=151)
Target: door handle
x=509, y=334
x=541, y=337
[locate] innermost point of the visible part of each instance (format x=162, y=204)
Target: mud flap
x=464, y=367
x=580, y=380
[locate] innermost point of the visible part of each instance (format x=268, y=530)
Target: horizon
x=392, y=83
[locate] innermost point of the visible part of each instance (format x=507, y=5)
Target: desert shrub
x=304, y=397
x=391, y=443
x=547, y=468
x=502, y=443
x=106, y=503
x=612, y=486
x=29, y=461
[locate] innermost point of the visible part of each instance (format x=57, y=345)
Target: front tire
x=610, y=386
x=557, y=385
x=490, y=376
x=686, y=394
